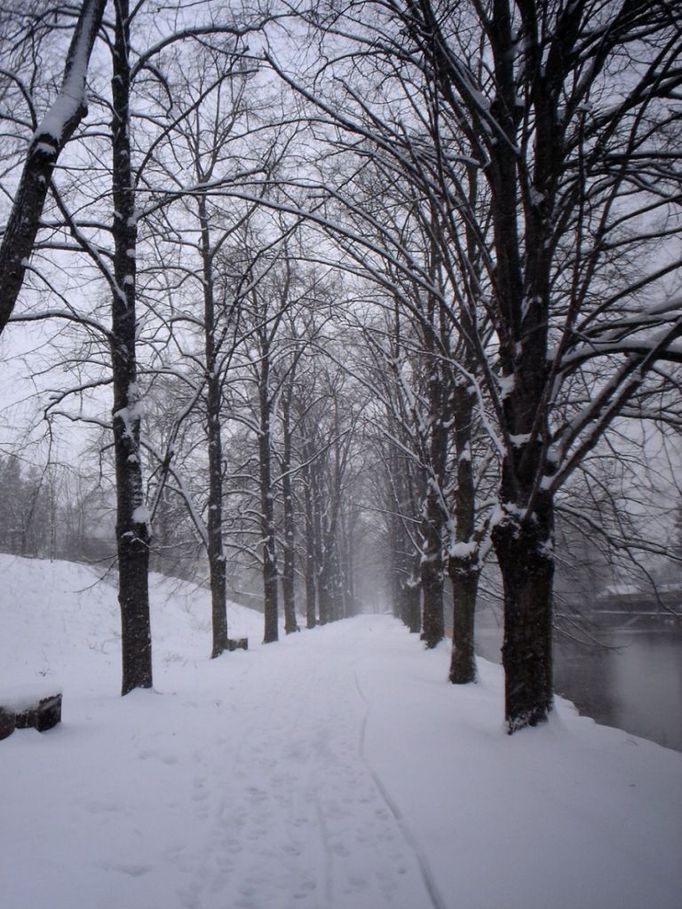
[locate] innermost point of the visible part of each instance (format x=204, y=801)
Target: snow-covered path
x=335, y=769
x=288, y=809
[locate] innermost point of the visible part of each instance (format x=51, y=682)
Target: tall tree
x=114, y=248
x=132, y=518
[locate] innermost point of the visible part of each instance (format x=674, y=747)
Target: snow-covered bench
x=38, y=705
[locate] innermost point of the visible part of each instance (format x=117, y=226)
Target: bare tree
x=564, y=110
x=114, y=246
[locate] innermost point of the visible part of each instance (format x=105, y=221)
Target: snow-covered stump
x=237, y=643
x=33, y=707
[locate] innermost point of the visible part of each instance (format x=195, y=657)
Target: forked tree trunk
x=523, y=236
x=132, y=528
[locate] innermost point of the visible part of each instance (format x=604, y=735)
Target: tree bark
x=132, y=527
x=464, y=590
x=524, y=553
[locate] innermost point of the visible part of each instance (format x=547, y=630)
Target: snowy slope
x=334, y=770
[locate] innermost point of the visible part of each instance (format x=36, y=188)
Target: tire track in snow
x=437, y=900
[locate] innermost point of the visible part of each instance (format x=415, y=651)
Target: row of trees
x=421, y=277
x=537, y=143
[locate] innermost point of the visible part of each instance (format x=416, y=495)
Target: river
x=635, y=683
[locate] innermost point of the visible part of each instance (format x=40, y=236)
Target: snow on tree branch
x=50, y=137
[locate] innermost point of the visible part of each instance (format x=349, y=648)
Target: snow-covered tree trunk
x=52, y=134
x=132, y=527
x=464, y=594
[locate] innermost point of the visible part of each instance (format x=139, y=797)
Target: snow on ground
x=334, y=770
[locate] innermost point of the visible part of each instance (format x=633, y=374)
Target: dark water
x=635, y=684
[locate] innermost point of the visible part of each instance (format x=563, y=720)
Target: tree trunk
x=288, y=576
x=132, y=528
x=350, y=606
x=270, y=604
x=310, y=591
x=321, y=555
x=523, y=241
x=435, y=447
x=464, y=569
x=432, y=568
x=432, y=591
x=394, y=579
x=524, y=553
x=216, y=554
x=411, y=611
x=338, y=583
x=324, y=586
x=464, y=590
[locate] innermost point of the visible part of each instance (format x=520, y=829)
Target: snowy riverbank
x=334, y=770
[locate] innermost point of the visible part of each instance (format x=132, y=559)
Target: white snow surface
x=336, y=769
x=18, y=699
